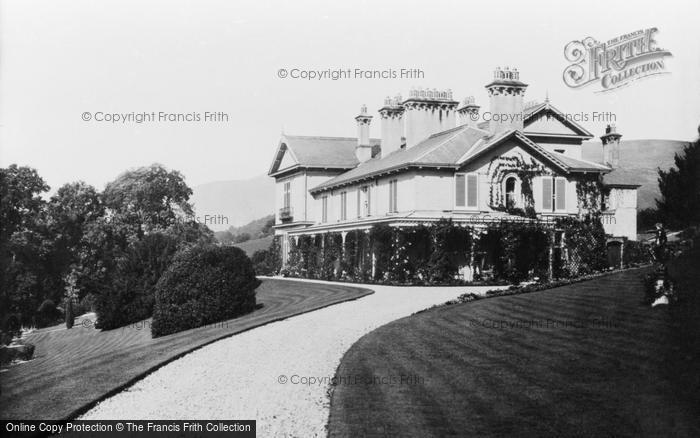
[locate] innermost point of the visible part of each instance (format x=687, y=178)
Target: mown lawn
x=582, y=360
x=73, y=369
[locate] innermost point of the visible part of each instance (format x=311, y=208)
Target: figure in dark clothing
x=660, y=241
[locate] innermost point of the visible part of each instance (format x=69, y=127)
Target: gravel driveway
x=278, y=374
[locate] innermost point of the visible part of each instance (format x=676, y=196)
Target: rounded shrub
x=203, y=285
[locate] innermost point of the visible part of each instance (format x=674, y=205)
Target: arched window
x=512, y=192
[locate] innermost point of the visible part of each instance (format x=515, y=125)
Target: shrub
x=204, y=284
x=129, y=295
x=268, y=261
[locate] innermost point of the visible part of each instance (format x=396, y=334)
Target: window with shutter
x=472, y=190
x=547, y=194
x=392, y=196
x=459, y=190
x=560, y=193
x=343, y=206
x=324, y=212
x=287, y=194
x=359, y=202
x=396, y=195
x=369, y=200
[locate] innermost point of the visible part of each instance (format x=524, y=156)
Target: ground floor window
x=553, y=193
x=466, y=190
x=393, y=196
x=343, y=206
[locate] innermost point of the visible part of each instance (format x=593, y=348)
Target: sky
x=61, y=59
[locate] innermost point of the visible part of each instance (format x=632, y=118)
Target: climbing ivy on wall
x=589, y=194
x=499, y=168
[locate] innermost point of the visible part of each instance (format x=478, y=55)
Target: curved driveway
x=278, y=374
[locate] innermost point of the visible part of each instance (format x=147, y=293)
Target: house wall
x=434, y=190
x=379, y=198
x=620, y=219
x=302, y=203
x=570, y=150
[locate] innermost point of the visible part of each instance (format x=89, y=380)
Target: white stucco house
x=433, y=160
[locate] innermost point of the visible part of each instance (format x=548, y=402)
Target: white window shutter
x=561, y=193
x=459, y=191
x=472, y=190
x=547, y=194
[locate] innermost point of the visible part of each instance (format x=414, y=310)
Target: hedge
x=204, y=284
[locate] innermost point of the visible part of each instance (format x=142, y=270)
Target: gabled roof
x=439, y=150
x=533, y=113
x=317, y=152
x=546, y=109
x=563, y=162
x=452, y=149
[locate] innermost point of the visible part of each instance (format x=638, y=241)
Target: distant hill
x=255, y=229
x=643, y=157
x=238, y=201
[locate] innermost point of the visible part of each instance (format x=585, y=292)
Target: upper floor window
x=466, y=190
x=343, y=206
x=287, y=194
x=393, y=196
x=512, y=192
x=366, y=200
x=324, y=208
x=553, y=193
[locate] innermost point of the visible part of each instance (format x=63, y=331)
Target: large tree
x=149, y=198
x=148, y=218
x=680, y=189
x=23, y=247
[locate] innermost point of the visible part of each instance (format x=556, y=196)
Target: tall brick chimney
x=428, y=112
x=506, y=94
x=392, y=125
x=363, y=150
x=611, y=146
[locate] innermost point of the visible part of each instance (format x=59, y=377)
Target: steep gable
x=287, y=160
x=545, y=120
x=311, y=152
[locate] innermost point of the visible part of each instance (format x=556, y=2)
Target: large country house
x=435, y=161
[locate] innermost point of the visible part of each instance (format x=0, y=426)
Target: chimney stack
x=506, y=94
x=363, y=150
x=469, y=112
x=392, y=125
x=428, y=112
x=611, y=146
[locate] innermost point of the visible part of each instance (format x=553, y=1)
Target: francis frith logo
x=616, y=62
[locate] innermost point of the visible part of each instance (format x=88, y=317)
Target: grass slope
x=253, y=245
x=581, y=360
x=75, y=368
